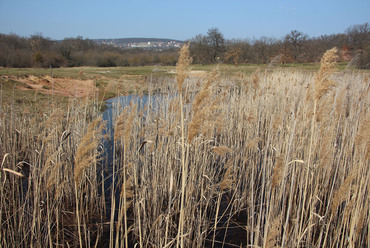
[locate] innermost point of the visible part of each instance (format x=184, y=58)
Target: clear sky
x=176, y=19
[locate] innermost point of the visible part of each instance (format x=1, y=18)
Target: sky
x=182, y=20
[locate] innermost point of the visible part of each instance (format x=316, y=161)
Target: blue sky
x=179, y=19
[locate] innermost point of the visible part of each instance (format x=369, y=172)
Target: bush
x=365, y=58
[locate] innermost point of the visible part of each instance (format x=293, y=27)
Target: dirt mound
x=59, y=86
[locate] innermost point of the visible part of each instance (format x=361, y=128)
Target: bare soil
x=58, y=86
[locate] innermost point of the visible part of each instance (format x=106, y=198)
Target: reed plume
x=278, y=174
x=181, y=74
x=274, y=232
x=256, y=79
x=253, y=143
x=227, y=180
x=201, y=107
x=221, y=150
x=362, y=138
x=55, y=118
x=124, y=127
x=129, y=125
x=87, y=151
x=182, y=65
x=119, y=128
x=323, y=83
x=344, y=190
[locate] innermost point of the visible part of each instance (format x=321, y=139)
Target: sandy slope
x=59, y=86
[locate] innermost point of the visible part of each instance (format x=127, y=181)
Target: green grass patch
x=88, y=72
x=250, y=68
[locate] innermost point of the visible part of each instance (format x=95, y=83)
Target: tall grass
x=274, y=159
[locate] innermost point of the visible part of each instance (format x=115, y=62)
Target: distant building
x=155, y=44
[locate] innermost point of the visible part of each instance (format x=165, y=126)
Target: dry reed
x=86, y=153
x=238, y=165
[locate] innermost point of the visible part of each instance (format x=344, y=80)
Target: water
x=114, y=107
x=117, y=104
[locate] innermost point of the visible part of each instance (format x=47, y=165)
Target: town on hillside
x=144, y=43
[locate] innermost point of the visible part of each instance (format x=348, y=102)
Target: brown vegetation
x=273, y=159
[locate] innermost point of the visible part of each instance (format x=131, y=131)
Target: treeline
x=295, y=47
x=38, y=51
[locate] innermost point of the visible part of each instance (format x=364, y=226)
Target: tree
x=365, y=58
x=263, y=50
x=233, y=54
x=15, y=51
x=216, y=41
x=293, y=44
x=237, y=51
x=359, y=40
x=200, y=50
x=358, y=36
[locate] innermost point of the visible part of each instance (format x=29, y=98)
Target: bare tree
x=358, y=36
x=216, y=41
x=359, y=41
x=263, y=50
x=200, y=50
x=236, y=51
x=293, y=43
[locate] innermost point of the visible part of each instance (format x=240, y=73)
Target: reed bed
x=279, y=158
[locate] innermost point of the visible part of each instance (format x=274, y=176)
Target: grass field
x=112, y=81
x=239, y=157
x=117, y=72
x=75, y=72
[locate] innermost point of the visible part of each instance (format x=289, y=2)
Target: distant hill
x=146, y=43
